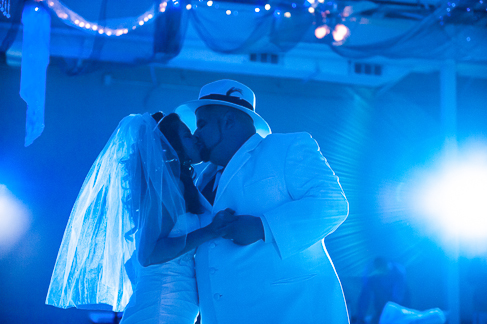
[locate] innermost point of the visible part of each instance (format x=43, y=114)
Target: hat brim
x=187, y=114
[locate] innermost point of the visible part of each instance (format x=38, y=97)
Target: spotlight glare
x=14, y=220
x=209, y=3
x=311, y=10
x=228, y=12
x=267, y=7
x=287, y=15
x=257, y=9
x=451, y=200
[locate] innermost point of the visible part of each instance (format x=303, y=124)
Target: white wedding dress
x=116, y=220
x=166, y=293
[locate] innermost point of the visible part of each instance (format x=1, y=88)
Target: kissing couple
x=243, y=242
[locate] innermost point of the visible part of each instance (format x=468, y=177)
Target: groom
x=272, y=266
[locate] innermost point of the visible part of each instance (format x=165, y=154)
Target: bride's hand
x=219, y=224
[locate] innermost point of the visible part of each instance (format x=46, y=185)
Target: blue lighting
x=451, y=198
x=15, y=219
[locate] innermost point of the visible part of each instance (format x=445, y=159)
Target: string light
x=76, y=20
x=340, y=32
x=318, y=8
x=322, y=31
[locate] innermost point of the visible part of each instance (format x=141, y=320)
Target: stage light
x=267, y=7
x=453, y=199
x=15, y=220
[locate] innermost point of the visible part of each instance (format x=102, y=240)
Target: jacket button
x=217, y=296
x=212, y=245
x=212, y=270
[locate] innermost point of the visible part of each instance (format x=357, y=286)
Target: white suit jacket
x=289, y=277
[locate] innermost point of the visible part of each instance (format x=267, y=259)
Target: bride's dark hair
x=169, y=128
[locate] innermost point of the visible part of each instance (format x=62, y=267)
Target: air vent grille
x=264, y=58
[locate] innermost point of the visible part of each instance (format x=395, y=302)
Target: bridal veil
x=132, y=182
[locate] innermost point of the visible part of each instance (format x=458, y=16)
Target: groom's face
x=209, y=131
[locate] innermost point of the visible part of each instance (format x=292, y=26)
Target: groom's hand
x=219, y=224
x=245, y=230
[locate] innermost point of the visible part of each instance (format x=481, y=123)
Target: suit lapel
x=236, y=163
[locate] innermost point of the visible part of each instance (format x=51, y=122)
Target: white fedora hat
x=226, y=93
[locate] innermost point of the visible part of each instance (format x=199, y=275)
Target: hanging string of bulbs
x=328, y=20
x=5, y=7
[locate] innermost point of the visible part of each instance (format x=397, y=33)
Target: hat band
x=230, y=99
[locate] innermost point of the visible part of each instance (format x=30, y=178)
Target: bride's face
x=188, y=142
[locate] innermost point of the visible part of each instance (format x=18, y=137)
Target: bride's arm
x=168, y=248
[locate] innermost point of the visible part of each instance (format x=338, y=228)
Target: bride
x=131, y=236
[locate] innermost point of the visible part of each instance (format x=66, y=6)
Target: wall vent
x=264, y=58
x=367, y=68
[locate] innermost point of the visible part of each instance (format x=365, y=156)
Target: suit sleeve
x=317, y=206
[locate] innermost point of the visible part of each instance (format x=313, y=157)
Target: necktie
x=209, y=191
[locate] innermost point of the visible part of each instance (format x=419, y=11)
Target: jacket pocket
x=293, y=280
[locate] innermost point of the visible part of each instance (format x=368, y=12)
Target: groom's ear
x=229, y=119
